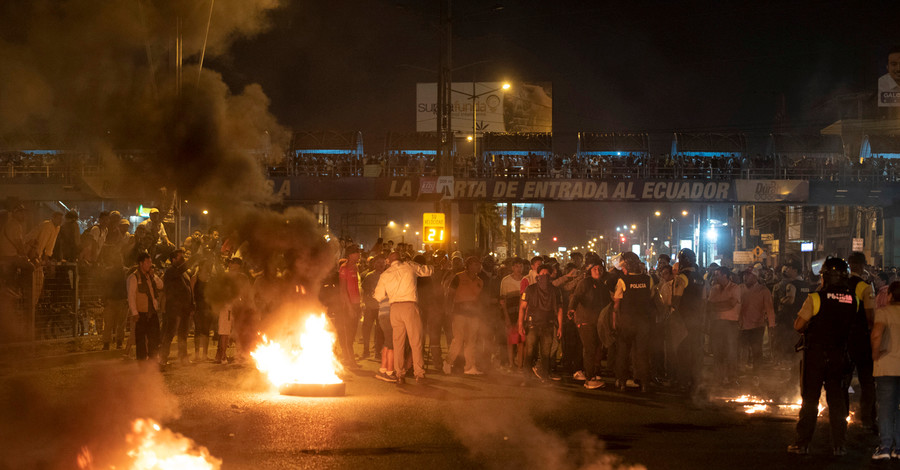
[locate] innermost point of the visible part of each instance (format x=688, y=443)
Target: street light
x=473, y=97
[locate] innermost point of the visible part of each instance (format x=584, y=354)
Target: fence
x=69, y=303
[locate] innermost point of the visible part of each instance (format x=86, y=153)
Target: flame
x=749, y=399
x=312, y=362
x=755, y=408
x=153, y=448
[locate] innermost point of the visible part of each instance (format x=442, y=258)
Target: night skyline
x=725, y=67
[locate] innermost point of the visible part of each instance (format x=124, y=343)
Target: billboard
x=524, y=107
x=889, y=83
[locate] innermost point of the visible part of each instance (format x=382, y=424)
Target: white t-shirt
x=889, y=362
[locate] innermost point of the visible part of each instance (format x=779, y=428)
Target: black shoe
x=118, y=345
x=401, y=380
x=106, y=346
x=798, y=449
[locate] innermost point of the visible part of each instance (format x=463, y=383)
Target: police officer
x=687, y=300
x=632, y=310
x=859, y=347
x=824, y=319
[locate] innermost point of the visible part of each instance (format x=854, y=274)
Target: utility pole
x=444, y=117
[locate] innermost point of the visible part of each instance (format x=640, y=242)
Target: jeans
x=591, y=350
x=176, y=322
x=146, y=335
x=466, y=330
x=751, y=342
x=861, y=358
x=539, y=336
x=887, y=393
x=724, y=338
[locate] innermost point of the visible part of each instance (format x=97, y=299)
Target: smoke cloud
x=506, y=436
x=102, y=76
x=44, y=426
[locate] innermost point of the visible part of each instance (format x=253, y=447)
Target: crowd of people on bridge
x=533, y=165
x=622, y=165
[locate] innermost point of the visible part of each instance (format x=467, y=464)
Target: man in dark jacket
x=589, y=298
x=178, y=307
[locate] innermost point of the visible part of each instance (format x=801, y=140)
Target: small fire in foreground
x=151, y=447
x=312, y=361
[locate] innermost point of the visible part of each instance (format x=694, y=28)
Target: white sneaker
x=631, y=384
x=593, y=384
x=579, y=375
x=447, y=368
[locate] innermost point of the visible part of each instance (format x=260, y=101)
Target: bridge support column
x=466, y=224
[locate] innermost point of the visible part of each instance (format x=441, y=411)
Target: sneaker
x=579, y=375
x=798, y=449
x=840, y=450
x=555, y=377
x=385, y=377
x=537, y=373
x=593, y=384
x=631, y=384
x=447, y=368
x=473, y=371
x=881, y=453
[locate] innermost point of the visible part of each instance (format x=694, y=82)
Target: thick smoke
x=45, y=426
x=506, y=436
x=291, y=243
x=102, y=76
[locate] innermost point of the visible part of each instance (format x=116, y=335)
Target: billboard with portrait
x=523, y=107
x=889, y=83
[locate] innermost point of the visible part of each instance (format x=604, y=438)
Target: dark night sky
x=615, y=66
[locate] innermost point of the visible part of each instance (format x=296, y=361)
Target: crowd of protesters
x=626, y=325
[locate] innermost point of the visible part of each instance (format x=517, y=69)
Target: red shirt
x=349, y=275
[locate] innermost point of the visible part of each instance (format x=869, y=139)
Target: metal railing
x=466, y=168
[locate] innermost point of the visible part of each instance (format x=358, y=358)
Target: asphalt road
x=52, y=409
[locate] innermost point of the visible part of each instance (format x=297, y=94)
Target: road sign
x=433, y=227
x=767, y=237
x=857, y=244
x=742, y=257
x=754, y=232
x=758, y=252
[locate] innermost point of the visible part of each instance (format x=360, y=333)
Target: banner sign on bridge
x=536, y=190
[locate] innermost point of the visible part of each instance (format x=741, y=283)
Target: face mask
x=543, y=280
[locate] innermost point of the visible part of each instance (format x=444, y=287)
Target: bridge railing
x=470, y=169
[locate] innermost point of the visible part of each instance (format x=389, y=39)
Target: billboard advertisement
x=889, y=83
x=523, y=107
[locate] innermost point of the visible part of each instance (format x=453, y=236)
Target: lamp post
x=474, y=97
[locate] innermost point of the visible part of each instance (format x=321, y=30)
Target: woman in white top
x=886, y=353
